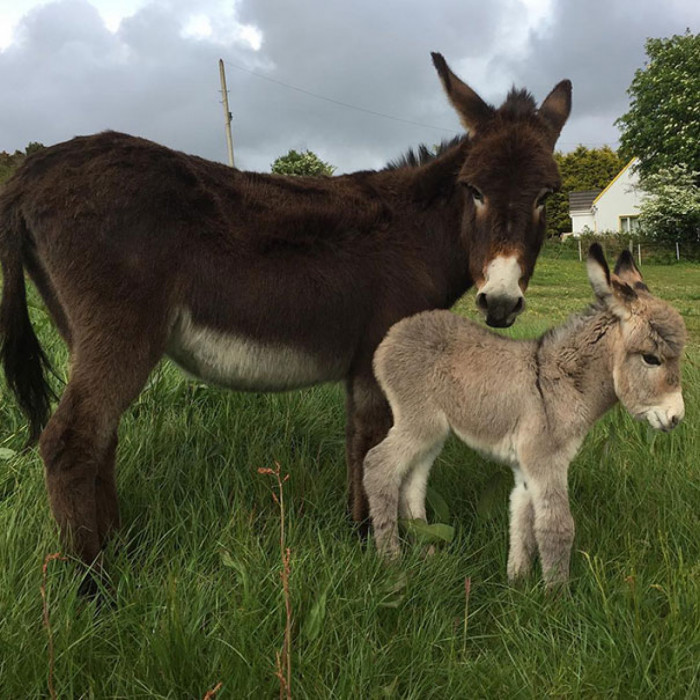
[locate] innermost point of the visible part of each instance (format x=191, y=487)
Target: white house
x=614, y=209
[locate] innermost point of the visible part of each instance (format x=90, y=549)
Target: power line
x=388, y=116
x=338, y=102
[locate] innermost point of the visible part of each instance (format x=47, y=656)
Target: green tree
x=306, y=163
x=671, y=211
x=662, y=126
x=33, y=147
x=581, y=169
x=9, y=162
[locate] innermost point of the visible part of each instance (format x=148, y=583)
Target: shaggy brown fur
x=252, y=281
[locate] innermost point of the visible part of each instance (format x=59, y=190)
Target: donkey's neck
x=430, y=197
x=575, y=364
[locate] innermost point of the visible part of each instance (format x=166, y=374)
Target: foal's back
x=437, y=361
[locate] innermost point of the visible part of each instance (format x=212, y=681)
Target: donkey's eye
x=542, y=198
x=475, y=193
x=651, y=360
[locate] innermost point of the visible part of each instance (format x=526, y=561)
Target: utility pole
x=227, y=114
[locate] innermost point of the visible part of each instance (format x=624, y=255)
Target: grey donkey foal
x=527, y=403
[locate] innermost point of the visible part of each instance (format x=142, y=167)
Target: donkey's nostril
x=518, y=306
x=675, y=420
x=481, y=301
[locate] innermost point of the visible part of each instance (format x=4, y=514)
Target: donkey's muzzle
x=500, y=311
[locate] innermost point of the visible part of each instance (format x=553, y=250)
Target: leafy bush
x=306, y=163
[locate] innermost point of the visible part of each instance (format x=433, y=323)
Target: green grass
x=198, y=596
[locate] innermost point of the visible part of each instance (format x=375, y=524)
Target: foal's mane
x=576, y=322
x=414, y=158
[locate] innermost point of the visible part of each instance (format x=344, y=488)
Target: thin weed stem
x=283, y=659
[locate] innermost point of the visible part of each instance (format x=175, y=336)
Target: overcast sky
x=150, y=68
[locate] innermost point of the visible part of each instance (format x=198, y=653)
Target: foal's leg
x=412, y=492
x=386, y=466
x=522, y=530
x=553, y=524
x=368, y=421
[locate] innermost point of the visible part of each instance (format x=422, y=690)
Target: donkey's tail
x=22, y=358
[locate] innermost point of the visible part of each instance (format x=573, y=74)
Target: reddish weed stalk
x=210, y=694
x=47, y=623
x=283, y=659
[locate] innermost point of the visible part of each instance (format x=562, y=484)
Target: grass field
x=196, y=570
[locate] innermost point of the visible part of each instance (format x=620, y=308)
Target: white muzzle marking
x=500, y=297
x=667, y=414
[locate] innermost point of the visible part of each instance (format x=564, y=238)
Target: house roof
x=582, y=200
x=614, y=180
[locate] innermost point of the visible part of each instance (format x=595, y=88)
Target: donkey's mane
x=414, y=158
x=518, y=104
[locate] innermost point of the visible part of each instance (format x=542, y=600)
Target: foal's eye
x=651, y=360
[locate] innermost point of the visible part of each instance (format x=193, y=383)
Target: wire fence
x=645, y=251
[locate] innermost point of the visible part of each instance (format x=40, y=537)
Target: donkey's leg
x=106, y=499
x=78, y=443
x=553, y=524
x=72, y=445
x=522, y=530
x=46, y=289
x=368, y=420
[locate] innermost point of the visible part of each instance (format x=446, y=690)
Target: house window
x=629, y=224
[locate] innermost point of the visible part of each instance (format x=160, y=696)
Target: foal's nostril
x=481, y=301
x=675, y=420
x=518, y=306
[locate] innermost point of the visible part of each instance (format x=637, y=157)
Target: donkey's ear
x=473, y=111
x=556, y=108
x=598, y=272
x=628, y=272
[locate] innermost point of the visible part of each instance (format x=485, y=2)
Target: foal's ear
x=628, y=272
x=614, y=292
x=473, y=111
x=556, y=108
x=598, y=272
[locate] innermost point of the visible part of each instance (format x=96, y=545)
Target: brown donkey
x=251, y=281
x=526, y=403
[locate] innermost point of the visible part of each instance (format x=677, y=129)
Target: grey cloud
x=598, y=45
x=68, y=74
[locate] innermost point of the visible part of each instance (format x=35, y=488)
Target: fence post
x=678, y=252
x=580, y=255
x=639, y=253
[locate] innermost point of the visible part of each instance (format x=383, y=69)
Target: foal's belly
x=245, y=364
x=500, y=448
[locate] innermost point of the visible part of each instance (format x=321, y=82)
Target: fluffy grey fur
x=526, y=403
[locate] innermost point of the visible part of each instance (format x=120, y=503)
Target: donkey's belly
x=241, y=363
